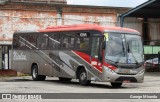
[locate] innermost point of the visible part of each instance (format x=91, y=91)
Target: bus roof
x=87, y=27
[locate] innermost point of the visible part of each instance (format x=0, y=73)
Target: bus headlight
x=109, y=70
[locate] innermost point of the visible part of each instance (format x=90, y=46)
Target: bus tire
x=35, y=75
x=65, y=79
x=116, y=84
x=42, y=77
x=83, y=78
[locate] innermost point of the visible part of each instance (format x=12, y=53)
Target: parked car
x=152, y=65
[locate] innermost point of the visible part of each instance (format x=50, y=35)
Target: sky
x=114, y=3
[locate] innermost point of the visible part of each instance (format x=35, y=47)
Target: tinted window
x=31, y=41
x=42, y=41
x=16, y=42
x=54, y=41
x=68, y=41
x=22, y=42
x=82, y=41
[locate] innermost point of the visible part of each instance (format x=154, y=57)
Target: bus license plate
x=126, y=81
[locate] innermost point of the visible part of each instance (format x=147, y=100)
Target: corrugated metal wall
x=153, y=26
x=133, y=23
x=154, y=29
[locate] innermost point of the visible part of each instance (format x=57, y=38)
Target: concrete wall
x=15, y=17
x=13, y=20
x=78, y=18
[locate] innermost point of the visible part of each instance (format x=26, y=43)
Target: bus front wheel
x=83, y=78
x=116, y=84
x=35, y=75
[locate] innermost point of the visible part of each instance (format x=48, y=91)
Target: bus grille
x=127, y=73
x=131, y=79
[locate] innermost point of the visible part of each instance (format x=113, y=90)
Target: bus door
x=96, y=54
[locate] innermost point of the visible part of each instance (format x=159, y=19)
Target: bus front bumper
x=111, y=76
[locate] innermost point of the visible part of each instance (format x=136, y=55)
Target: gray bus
x=86, y=52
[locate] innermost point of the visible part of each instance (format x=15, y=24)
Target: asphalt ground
x=24, y=84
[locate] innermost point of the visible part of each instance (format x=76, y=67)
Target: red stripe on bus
x=87, y=59
x=78, y=27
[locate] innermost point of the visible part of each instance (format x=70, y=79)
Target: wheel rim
x=35, y=73
x=83, y=76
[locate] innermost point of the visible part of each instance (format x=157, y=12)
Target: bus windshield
x=123, y=48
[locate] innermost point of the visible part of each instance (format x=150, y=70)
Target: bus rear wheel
x=35, y=75
x=83, y=78
x=116, y=84
x=65, y=79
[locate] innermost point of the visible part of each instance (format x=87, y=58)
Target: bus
x=87, y=52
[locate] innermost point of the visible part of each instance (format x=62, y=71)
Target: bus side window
x=22, y=42
x=42, y=41
x=68, y=41
x=31, y=41
x=54, y=41
x=16, y=42
x=82, y=43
